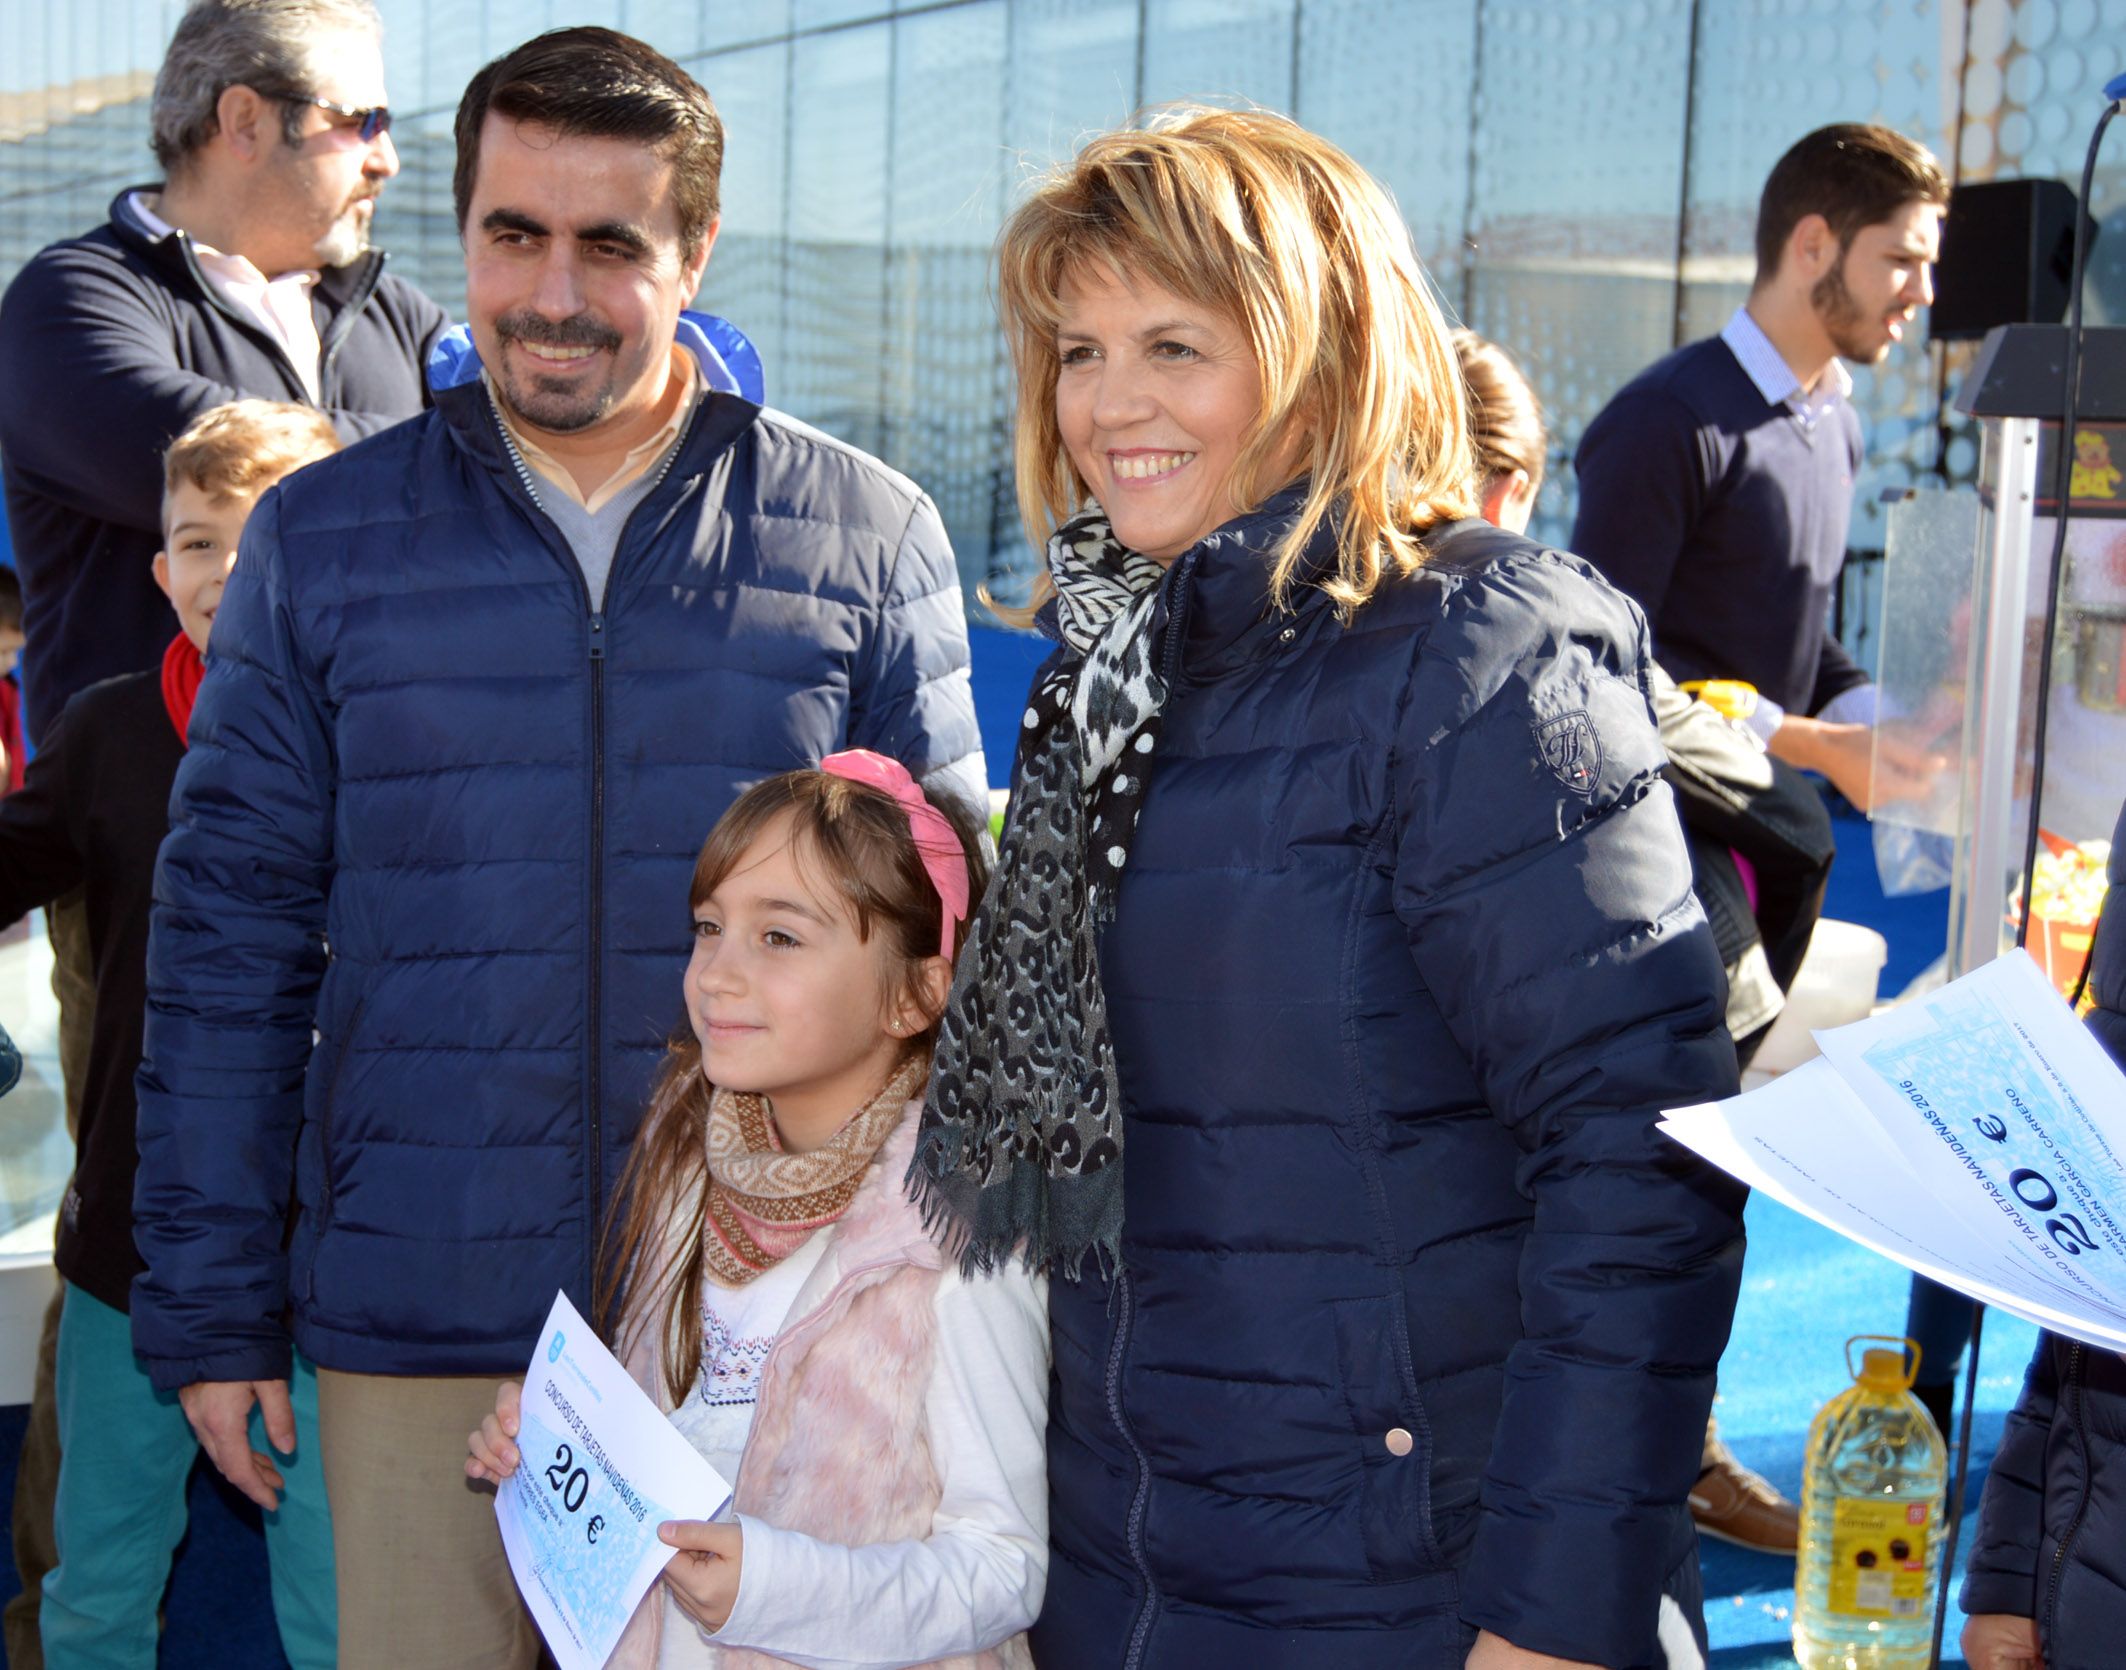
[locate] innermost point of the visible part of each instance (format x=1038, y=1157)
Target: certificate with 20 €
x=601, y=1470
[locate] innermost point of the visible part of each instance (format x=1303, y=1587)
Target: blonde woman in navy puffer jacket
x=1341, y=957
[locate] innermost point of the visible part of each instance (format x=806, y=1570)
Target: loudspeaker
x=2007, y=251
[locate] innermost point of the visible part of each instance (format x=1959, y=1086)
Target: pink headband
x=944, y=859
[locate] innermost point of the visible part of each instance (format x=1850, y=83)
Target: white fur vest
x=837, y=1448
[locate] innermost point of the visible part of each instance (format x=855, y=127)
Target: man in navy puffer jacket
x=478, y=691
x=2045, y=1566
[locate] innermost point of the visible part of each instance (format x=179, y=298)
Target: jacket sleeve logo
x=1571, y=749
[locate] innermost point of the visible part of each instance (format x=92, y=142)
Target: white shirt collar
x=280, y=305
x=1775, y=379
x=143, y=205
x=145, y=209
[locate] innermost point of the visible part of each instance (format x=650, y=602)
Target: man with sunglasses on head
x=247, y=271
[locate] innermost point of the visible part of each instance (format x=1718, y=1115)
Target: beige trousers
x=423, y=1581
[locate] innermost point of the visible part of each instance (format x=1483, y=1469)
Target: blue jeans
x=125, y=1452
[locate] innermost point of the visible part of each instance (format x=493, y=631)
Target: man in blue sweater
x=1715, y=489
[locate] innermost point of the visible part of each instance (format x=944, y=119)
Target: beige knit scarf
x=763, y=1200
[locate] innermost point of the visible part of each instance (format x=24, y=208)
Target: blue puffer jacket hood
x=2052, y=1524
x=1419, y=1315
x=443, y=807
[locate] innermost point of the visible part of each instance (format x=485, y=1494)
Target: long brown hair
x=1505, y=418
x=1274, y=227
x=856, y=840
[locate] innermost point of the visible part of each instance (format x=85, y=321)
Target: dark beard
x=1842, y=318
x=555, y=405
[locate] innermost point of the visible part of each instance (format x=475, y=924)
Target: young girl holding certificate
x=769, y=1282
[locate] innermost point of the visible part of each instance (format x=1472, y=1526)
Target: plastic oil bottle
x=1869, y=1573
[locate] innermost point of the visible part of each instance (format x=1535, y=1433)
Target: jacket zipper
x=1125, y=1304
x=594, y=1148
x=2081, y=1509
x=1141, y=1629
x=1184, y=593
x=341, y=324
x=594, y=1015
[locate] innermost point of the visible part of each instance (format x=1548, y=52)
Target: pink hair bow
x=944, y=860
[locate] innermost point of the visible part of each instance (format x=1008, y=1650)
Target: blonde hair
x=1505, y=418
x=240, y=449
x=1274, y=227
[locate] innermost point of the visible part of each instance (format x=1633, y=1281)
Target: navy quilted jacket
x=2051, y=1541
x=439, y=809
x=1419, y=1315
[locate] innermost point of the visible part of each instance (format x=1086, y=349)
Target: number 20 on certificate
x=572, y=1484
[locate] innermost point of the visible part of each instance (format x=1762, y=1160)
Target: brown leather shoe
x=1738, y=1506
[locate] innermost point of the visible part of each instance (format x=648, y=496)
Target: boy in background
x=92, y=813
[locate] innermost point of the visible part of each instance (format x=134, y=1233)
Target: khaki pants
x=423, y=1581
x=37, y=1474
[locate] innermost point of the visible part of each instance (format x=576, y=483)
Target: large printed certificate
x=601, y=1470
x=1977, y=1136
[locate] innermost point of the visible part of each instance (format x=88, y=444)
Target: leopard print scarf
x=764, y=1201
x=1020, y=1149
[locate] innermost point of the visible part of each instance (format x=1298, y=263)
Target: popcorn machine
x=1993, y=646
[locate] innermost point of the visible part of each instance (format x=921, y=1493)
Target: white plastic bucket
x=1836, y=986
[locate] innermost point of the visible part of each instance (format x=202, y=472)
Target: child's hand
x=2002, y=1641
x=494, y=1451
x=704, y=1575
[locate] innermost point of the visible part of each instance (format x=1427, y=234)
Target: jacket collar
x=1214, y=603
x=1215, y=612
x=1216, y=594
x=345, y=289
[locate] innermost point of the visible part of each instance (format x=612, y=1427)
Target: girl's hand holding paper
x=703, y=1576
